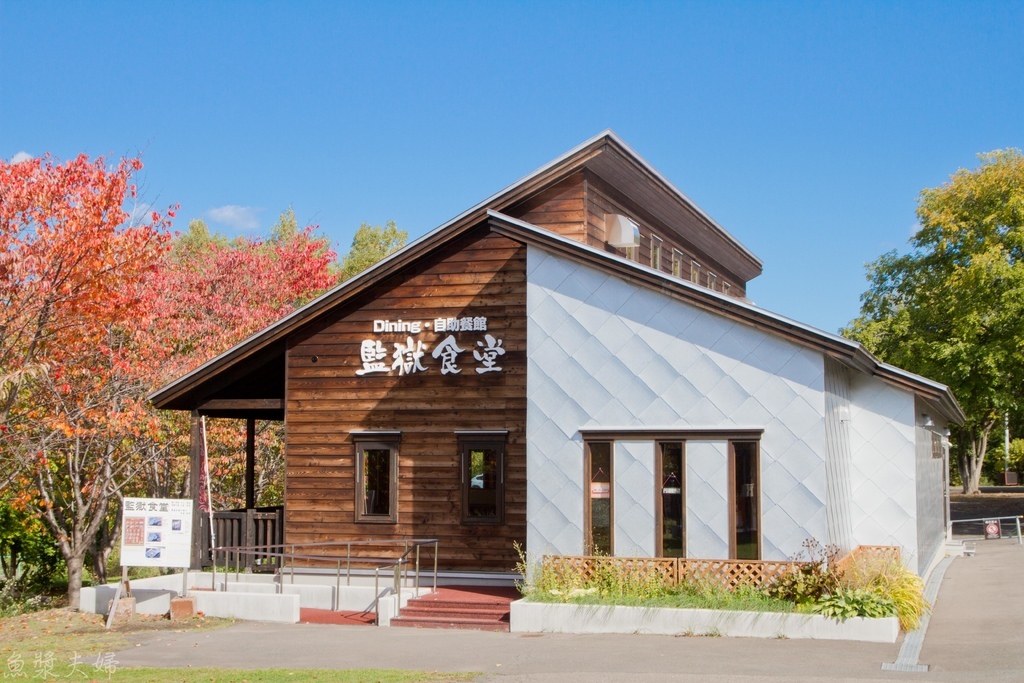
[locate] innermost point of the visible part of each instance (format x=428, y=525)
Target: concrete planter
x=538, y=617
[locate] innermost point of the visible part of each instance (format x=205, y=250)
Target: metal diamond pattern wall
x=606, y=353
x=633, y=472
x=884, y=505
x=707, y=499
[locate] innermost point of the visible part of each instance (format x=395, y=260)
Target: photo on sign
x=153, y=553
x=134, y=530
x=155, y=521
x=175, y=525
x=153, y=537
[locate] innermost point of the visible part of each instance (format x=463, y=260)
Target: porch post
x=250, y=463
x=195, y=455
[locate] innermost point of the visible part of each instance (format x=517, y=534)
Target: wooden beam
x=242, y=404
x=250, y=463
x=195, y=456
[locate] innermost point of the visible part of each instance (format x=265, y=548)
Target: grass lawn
x=59, y=644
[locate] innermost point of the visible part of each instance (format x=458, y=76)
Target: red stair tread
x=310, y=615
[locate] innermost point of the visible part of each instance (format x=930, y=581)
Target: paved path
x=976, y=632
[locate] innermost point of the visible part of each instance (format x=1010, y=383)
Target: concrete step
x=444, y=622
x=455, y=612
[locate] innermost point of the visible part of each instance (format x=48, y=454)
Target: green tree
x=953, y=308
x=371, y=244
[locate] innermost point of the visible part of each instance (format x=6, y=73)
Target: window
x=655, y=252
x=482, y=459
x=725, y=287
x=376, y=479
x=670, y=500
x=677, y=263
x=694, y=272
x=712, y=280
x=633, y=254
x=598, y=494
x=745, y=512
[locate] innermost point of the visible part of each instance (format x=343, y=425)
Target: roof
x=605, y=154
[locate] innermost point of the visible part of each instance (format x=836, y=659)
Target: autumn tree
x=74, y=269
x=215, y=292
x=370, y=244
x=953, y=308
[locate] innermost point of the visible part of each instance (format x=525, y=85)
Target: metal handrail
x=409, y=545
x=1016, y=518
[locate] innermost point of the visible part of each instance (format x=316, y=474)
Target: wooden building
x=572, y=365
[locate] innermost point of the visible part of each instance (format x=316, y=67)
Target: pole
x=1006, y=445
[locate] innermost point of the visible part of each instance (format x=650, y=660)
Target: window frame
x=387, y=441
x=694, y=272
x=677, y=263
x=466, y=442
x=733, y=543
x=712, y=280
x=659, y=506
x=656, y=246
x=588, y=527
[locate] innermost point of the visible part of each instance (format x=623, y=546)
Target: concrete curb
x=536, y=617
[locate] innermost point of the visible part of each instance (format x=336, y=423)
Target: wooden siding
x=603, y=199
x=479, y=275
x=559, y=208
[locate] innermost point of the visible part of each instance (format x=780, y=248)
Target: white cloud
x=20, y=157
x=139, y=212
x=238, y=217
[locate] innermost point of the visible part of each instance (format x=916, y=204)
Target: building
x=573, y=364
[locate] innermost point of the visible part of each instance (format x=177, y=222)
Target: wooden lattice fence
x=735, y=573
x=865, y=554
x=671, y=571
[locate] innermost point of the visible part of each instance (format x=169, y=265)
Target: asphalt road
x=976, y=633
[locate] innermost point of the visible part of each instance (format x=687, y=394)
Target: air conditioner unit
x=621, y=231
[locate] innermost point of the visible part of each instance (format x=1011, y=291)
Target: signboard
x=993, y=529
x=480, y=350
x=156, y=532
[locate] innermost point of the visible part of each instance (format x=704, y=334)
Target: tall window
x=712, y=280
x=598, y=494
x=655, y=252
x=671, y=500
x=677, y=263
x=694, y=272
x=726, y=287
x=376, y=480
x=745, y=487
x=483, y=478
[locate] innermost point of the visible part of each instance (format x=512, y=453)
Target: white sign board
x=156, y=532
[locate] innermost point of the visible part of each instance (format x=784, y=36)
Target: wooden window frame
x=677, y=263
x=362, y=443
x=712, y=280
x=725, y=287
x=588, y=529
x=659, y=508
x=694, y=272
x=656, y=246
x=467, y=441
x=732, y=497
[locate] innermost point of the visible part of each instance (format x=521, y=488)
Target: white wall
x=633, y=473
x=931, y=492
x=883, y=472
x=605, y=353
x=707, y=499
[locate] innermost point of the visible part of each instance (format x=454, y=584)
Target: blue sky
x=805, y=129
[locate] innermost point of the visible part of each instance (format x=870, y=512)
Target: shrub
x=819, y=577
x=890, y=579
x=854, y=602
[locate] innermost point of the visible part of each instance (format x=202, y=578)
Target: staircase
x=480, y=608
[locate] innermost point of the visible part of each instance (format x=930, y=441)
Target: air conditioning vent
x=621, y=231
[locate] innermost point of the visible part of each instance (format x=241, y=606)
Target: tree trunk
x=75, y=566
x=971, y=455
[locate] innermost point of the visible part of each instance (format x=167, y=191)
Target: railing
x=977, y=526
x=253, y=528
x=285, y=558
